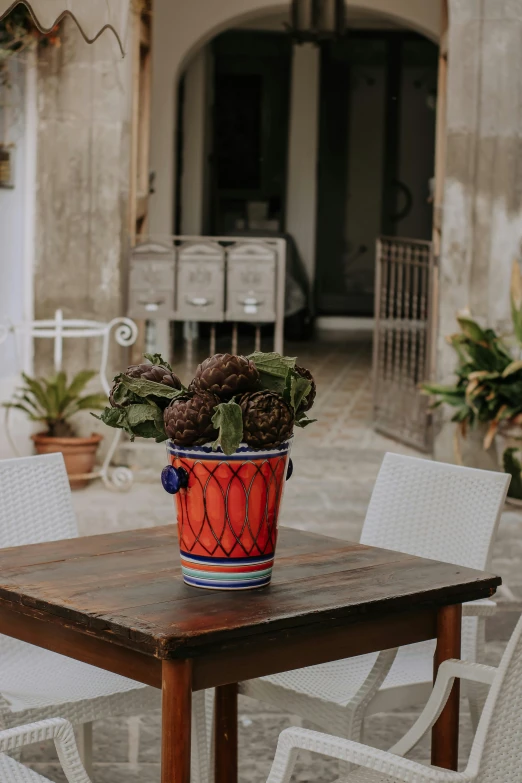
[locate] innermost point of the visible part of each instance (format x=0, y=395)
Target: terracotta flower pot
x=227, y=509
x=79, y=454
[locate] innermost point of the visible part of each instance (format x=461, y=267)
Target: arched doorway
x=332, y=145
x=180, y=30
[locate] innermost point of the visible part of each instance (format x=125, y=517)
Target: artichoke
x=225, y=375
x=188, y=419
x=267, y=419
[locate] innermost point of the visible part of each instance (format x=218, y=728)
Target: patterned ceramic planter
x=227, y=508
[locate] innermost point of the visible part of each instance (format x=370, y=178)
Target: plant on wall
x=17, y=33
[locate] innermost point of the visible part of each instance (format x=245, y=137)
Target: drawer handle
x=199, y=301
x=151, y=307
x=250, y=301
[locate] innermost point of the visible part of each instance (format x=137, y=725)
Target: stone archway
x=180, y=28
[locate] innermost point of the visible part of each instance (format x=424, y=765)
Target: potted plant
x=488, y=389
x=54, y=402
x=228, y=438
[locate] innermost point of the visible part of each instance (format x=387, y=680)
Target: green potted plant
x=487, y=392
x=54, y=402
x=228, y=436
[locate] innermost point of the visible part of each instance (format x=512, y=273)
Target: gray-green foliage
x=277, y=373
x=53, y=401
x=139, y=403
x=228, y=420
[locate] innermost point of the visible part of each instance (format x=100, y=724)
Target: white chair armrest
x=294, y=739
x=57, y=729
x=476, y=672
x=484, y=607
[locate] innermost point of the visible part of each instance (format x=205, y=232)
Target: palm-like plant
x=54, y=401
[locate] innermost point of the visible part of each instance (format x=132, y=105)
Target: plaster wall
x=482, y=216
x=196, y=108
x=17, y=245
x=301, y=195
x=84, y=114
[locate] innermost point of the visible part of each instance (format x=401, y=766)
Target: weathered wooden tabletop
x=118, y=601
x=126, y=588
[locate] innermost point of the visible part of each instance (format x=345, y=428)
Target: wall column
x=301, y=195
x=195, y=121
x=482, y=219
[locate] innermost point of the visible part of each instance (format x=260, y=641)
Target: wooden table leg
x=445, y=732
x=176, y=707
x=225, y=734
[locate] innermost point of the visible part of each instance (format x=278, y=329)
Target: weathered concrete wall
x=482, y=216
x=84, y=114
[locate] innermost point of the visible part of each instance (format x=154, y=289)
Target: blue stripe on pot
x=230, y=562
x=242, y=452
x=210, y=584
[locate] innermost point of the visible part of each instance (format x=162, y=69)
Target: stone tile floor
x=335, y=466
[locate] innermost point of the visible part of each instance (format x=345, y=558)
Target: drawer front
x=152, y=305
x=152, y=275
x=251, y=274
x=246, y=304
x=251, y=290
x=201, y=290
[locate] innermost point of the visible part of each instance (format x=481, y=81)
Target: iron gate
x=402, y=346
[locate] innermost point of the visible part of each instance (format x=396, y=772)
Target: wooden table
x=118, y=601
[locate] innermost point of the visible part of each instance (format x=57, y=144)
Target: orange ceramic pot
x=79, y=454
x=228, y=510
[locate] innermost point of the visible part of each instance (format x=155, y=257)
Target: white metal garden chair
x=424, y=508
x=496, y=753
x=35, y=506
x=57, y=729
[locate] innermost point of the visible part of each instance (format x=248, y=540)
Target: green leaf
x=157, y=358
x=137, y=414
x=272, y=363
x=21, y=407
x=512, y=368
x=273, y=369
x=228, y=419
x=144, y=388
x=302, y=420
x=112, y=417
x=79, y=382
x=299, y=389
x=91, y=401
x=36, y=388
x=472, y=330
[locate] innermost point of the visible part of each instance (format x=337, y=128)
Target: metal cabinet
x=251, y=283
x=152, y=279
x=201, y=282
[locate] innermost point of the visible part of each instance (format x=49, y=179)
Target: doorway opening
x=376, y=158
x=374, y=123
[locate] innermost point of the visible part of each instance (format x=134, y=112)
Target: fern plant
x=54, y=401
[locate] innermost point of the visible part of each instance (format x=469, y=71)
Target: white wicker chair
x=57, y=729
x=35, y=506
x=430, y=509
x=496, y=753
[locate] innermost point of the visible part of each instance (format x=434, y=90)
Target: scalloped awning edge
x=92, y=18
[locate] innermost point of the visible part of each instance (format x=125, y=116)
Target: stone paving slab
x=335, y=466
